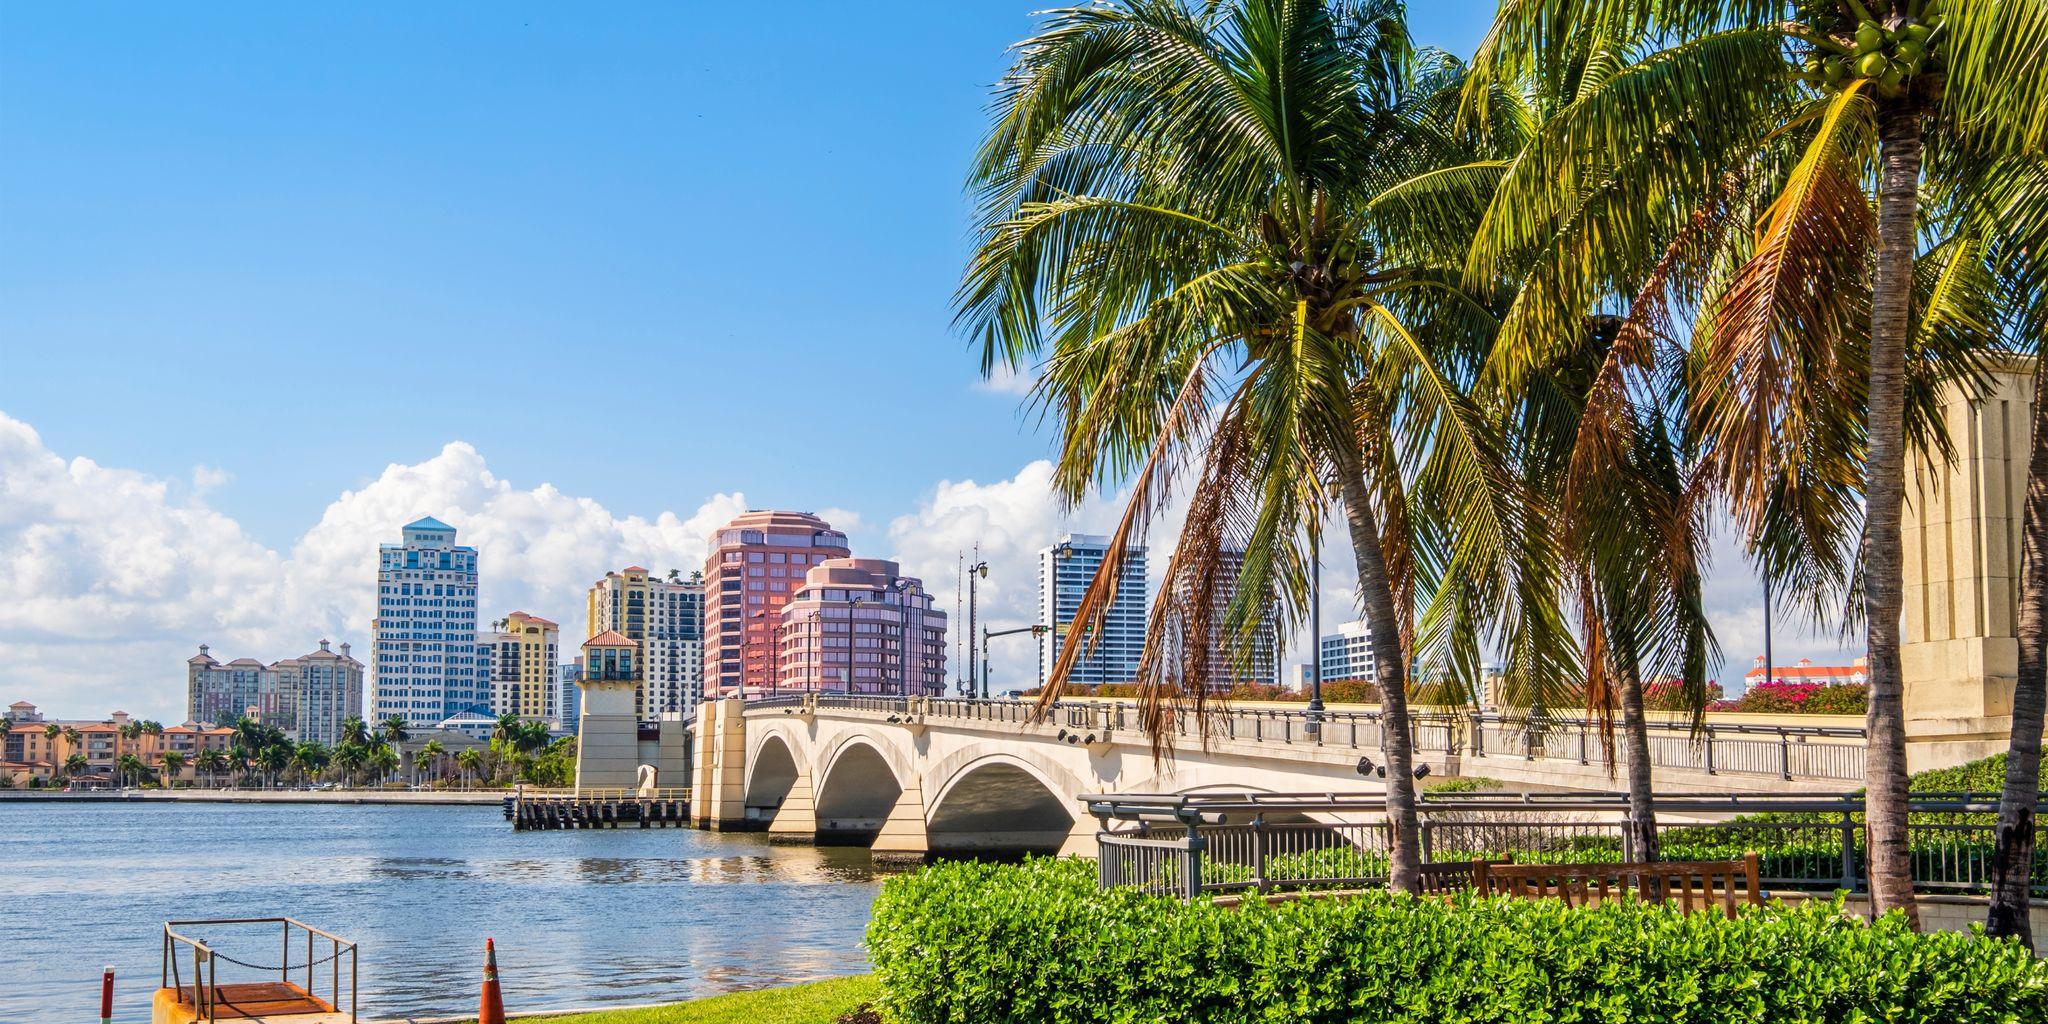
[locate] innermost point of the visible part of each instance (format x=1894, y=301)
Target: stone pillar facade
x=719, y=799
x=796, y=821
x=607, y=735
x=903, y=836
x=1962, y=555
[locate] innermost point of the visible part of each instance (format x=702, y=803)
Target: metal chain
x=266, y=967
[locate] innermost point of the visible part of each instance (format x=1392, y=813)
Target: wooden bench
x=1693, y=885
x=1446, y=877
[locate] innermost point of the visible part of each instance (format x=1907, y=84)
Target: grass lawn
x=820, y=1002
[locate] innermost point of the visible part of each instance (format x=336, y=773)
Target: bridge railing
x=1189, y=849
x=1778, y=751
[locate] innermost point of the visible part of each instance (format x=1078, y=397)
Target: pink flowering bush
x=1803, y=699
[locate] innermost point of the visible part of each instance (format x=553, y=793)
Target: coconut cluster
x=1887, y=53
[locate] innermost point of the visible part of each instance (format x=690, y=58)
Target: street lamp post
x=1314, y=725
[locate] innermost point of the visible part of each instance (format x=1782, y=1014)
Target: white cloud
x=1008, y=381
x=110, y=578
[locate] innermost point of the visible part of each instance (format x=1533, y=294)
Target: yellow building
x=665, y=619
x=523, y=655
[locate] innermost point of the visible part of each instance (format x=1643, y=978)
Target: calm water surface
x=584, y=918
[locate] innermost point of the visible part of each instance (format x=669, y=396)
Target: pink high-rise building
x=757, y=562
x=859, y=626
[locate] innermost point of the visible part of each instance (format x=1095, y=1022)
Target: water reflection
x=581, y=918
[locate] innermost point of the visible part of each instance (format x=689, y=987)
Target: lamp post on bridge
x=1314, y=724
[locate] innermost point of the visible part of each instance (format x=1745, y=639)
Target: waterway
x=581, y=918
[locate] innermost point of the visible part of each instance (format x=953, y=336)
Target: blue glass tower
x=427, y=665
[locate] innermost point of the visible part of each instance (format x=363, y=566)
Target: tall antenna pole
x=973, y=571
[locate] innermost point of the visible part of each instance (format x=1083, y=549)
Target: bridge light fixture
x=1063, y=734
x=1091, y=738
x=1365, y=766
x=1421, y=771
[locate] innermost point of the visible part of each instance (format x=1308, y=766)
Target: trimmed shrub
x=967, y=943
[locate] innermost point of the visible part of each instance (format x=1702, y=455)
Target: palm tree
x=1829, y=283
x=132, y=771
x=431, y=752
x=471, y=762
x=385, y=761
x=395, y=729
x=354, y=730
x=75, y=764
x=349, y=758
x=209, y=762
x=309, y=760
x=173, y=762
x=1179, y=221
x=1586, y=235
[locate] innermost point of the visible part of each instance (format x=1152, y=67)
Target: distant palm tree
x=349, y=759
x=355, y=730
x=385, y=761
x=395, y=730
x=308, y=760
x=174, y=762
x=209, y=762
x=75, y=764
x=431, y=753
x=471, y=762
x=131, y=771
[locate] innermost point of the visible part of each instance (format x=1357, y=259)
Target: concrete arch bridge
x=908, y=777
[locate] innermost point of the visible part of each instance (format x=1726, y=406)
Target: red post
x=107, y=995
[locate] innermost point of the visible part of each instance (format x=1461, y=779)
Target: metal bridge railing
x=205, y=962
x=1189, y=846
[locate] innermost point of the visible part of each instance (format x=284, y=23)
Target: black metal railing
x=1188, y=846
x=182, y=951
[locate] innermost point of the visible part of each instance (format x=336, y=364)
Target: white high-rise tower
x=427, y=666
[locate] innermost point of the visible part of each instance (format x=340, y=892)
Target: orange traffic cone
x=491, y=1009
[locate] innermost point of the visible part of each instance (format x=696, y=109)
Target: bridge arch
x=858, y=782
x=771, y=773
x=1005, y=801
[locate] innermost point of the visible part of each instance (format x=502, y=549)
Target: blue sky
x=581, y=280
x=588, y=240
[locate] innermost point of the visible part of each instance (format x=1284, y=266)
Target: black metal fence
x=1188, y=846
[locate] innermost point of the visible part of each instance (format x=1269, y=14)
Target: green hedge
x=973, y=943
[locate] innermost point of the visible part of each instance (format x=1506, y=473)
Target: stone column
x=1962, y=548
x=796, y=821
x=903, y=836
x=721, y=801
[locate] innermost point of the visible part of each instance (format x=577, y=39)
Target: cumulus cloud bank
x=109, y=577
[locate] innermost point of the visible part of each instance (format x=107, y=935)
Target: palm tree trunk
x=2012, y=860
x=1642, y=811
x=1891, y=874
x=1404, y=858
